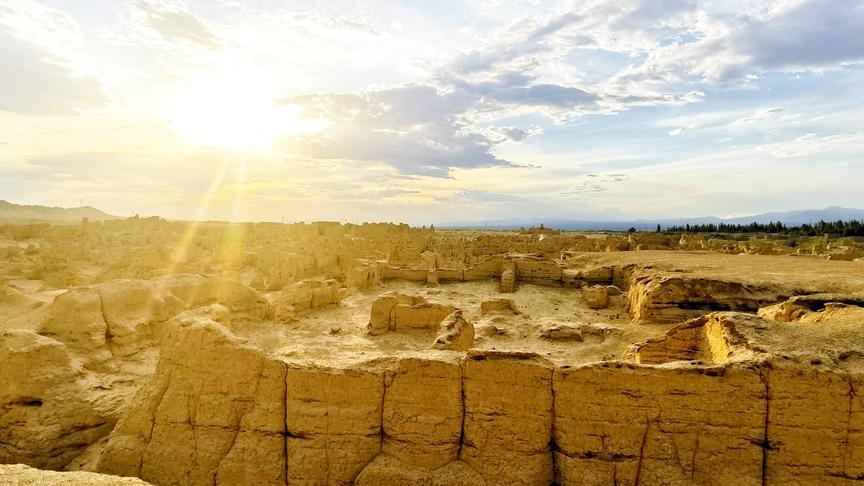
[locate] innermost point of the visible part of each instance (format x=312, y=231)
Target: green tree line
x=845, y=228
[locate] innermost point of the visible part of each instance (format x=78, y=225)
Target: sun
x=235, y=109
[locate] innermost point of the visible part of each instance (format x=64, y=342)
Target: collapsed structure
x=381, y=354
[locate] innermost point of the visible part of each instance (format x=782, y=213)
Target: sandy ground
x=335, y=334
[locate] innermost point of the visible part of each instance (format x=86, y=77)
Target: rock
x=675, y=298
x=563, y=332
x=364, y=277
x=213, y=413
x=386, y=470
x=508, y=277
x=783, y=312
x=454, y=333
x=424, y=315
x=601, y=331
x=305, y=295
x=490, y=330
x=21, y=475
x=612, y=290
x=394, y=311
x=432, y=277
x=506, y=306
x=799, y=307
x=46, y=414
x=596, y=297
x=382, y=309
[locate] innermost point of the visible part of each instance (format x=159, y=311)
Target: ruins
x=145, y=351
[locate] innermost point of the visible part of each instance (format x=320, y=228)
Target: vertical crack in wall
x=642, y=451
x=846, y=451
x=191, y=419
x=161, y=393
x=462, y=425
x=693, y=456
x=766, y=443
x=553, y=445
x=285, y=423
x=239, y=425
x=383, y=399
x=109, y=336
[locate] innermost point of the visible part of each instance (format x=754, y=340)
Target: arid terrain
x=328, y=354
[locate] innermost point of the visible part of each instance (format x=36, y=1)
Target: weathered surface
x=21, y=475
x=46, y=417
x=423, y=412
x=668, y=299
x=498, y=305
x=395, y=311
x=712, y=338
x=508, y=417
x=261, y=381
x=596, y=297
x=334, y=423
x=815, y=426
x=307, y=294
x=386, y=470
x=618, y=423
x=213, y=413
x=454, y=333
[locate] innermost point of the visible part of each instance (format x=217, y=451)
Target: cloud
x=331, y=22
x=173, y=22
x=428, y=129
x=499, y=134
x=39, y=47
x=812, y=143
x=593, y=184
x=677, y=49
x=418, y=129
x=807, y=35
x=511, y=88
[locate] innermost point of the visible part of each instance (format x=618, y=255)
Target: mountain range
x=18, y=212
x=788, y=218
x=11, y=212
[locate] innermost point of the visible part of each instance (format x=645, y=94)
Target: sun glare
x=235, y=110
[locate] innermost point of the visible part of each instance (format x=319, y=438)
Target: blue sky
x=432, y=111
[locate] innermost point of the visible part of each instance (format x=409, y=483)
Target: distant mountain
x=11, y=212
x=795, y=218
x=789, y=218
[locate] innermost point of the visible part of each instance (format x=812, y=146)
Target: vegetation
x=843, y=228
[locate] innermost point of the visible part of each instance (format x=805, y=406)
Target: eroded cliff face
x=219, y=411
x=46, y=418
x=674, y=298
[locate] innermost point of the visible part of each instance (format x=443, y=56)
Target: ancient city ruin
x=141, y=351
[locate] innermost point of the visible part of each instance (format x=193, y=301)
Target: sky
x=432, y=111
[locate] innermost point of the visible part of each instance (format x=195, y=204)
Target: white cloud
x=41, y=50
x=172, y=20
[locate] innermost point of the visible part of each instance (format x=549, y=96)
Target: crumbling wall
x=221, y=412
x=394, y=311
x=674, y=298
x=304, y=295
